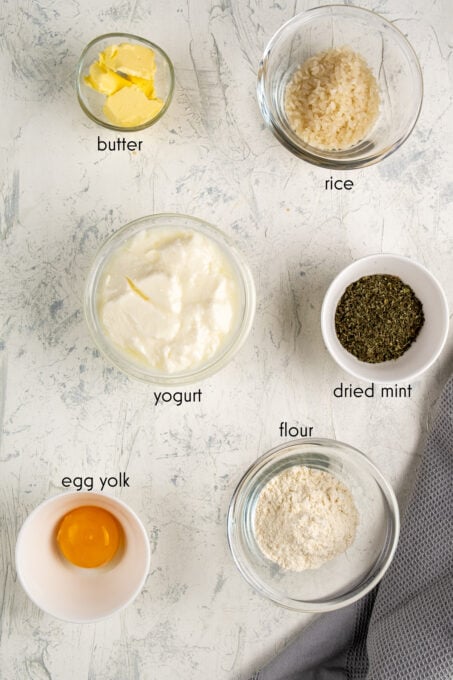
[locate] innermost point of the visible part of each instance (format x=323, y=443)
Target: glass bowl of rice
x=340, y=87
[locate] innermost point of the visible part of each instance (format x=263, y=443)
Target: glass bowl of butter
x=169, y=299
x=124, y=82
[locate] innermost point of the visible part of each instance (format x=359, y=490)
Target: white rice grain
x=332, y=99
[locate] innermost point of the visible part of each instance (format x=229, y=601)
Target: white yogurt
x=169, y=298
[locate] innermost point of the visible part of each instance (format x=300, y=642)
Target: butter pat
x=125, y=74
x=104, y=80
x=130, y=107
x=147, y=86
x=131, y=59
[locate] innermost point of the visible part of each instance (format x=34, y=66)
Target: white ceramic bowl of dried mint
x=313, y=525
x=385, y=319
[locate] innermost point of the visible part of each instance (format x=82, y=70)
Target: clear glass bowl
x=347, y=577
x=386, y=51
x=92, y=101
x=244, y=316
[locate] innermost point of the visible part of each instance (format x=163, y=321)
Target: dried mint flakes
x=378, y=318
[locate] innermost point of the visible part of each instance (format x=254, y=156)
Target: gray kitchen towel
x=402, y=630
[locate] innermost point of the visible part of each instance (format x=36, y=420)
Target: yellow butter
x=147, y=86
x=130, y=107
x=130, y=59
x=103, y=80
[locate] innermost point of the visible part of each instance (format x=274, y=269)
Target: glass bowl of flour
x=313, y=525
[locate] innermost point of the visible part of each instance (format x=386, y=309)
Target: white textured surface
x=67, y=412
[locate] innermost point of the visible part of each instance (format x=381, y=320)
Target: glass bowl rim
x=323, y=158
x=252, y=473
x=234, y=343
x=137, y=38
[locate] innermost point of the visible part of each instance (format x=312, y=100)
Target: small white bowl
x=71, y=593
x=433, y=334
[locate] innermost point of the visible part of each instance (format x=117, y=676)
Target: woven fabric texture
x=403, y=630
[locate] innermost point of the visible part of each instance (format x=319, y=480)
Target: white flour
x=304, y=517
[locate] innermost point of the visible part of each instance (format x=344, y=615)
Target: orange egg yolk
x=89, y=536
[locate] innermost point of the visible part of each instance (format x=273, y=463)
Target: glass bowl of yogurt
x=169, y=299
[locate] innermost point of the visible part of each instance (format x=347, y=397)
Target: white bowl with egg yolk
x=73, y=593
